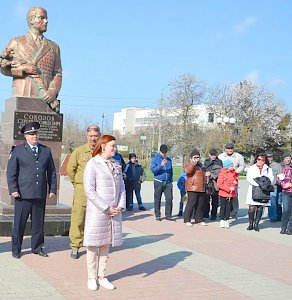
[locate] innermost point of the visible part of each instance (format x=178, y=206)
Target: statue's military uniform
x=45, y=56
x=75, y=169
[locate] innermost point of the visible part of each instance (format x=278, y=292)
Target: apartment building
x=130, y=119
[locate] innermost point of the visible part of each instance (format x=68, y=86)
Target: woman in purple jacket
x=285, y=180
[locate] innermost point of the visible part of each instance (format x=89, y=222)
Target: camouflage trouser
x=77, y=217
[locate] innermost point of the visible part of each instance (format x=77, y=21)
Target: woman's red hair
x=104, y=139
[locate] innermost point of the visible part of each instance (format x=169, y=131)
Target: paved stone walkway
x=160, y=260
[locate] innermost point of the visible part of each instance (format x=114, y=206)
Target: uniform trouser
x=195, y=206
x=36, y=209
x=166, y=188
x=78, y=211
x=96, y=258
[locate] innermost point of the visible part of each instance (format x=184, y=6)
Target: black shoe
x=180, y=214
x=213, y=218
x=283, y=231
x=41, y=253
x=142, y=208
x=289, y=232
x=74, y=253
x=158, y=219
x=16, y=255
x=129, y=209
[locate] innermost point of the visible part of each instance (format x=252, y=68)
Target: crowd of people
x=104, y=186
x=206, y=186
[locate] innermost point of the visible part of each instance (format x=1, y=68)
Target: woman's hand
x=113, y=211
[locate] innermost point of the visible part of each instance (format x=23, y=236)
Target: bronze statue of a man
x=34, y=62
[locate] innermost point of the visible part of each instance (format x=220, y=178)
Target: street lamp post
x=224, y=122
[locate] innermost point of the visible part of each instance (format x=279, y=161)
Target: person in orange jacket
x=227, y=182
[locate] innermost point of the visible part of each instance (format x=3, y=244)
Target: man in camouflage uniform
x=75, y=169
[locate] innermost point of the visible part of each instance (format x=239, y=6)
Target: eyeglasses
x=196, y=157
x=261, y=159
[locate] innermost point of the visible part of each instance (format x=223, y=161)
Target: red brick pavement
x=139, y=274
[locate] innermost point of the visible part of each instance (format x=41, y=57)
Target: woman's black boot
x=251, y=219
x=259, y=213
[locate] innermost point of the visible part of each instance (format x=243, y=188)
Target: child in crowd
x=227, y=183
x=181, y=184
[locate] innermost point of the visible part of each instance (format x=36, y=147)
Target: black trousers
x=36, y=209
x=166, y=188
x=214, y=204
x=195, y=205
x=225, y=208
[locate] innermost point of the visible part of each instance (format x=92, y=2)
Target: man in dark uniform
x=30, y=174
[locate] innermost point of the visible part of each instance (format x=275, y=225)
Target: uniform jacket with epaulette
x=32, y=176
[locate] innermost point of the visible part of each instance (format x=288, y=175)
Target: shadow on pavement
x=52, y=244
x=131, y=216
x=134, y=242
x=148, y=268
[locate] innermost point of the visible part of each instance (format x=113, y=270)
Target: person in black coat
x=213, y=165
x=31, y=175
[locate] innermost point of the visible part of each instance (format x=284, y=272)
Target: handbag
x=259, y=195
x=210, y=189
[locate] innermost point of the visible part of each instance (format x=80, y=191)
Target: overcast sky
x=119, y=54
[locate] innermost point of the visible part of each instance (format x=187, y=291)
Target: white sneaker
x=203, y=223
x=92, y=285
x=189, y=224
x=193, y=220
x=226, y=225
x=106, y=284
x=222, y=223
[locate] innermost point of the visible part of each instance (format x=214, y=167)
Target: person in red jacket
x=227, y=182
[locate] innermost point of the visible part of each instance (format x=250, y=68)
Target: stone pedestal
x=19, y=111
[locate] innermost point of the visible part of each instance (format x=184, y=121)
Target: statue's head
x=37, y=17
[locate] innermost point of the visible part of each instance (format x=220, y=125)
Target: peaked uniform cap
x=30, y=127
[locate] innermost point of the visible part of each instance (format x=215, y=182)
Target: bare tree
x=257, y=112
x=186, y=92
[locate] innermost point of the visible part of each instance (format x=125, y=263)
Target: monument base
x=57, y=220
x=19, y=111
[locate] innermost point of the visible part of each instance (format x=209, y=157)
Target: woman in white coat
x=106, y=198
x=255, y=209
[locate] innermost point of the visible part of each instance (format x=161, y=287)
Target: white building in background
x=130, y=119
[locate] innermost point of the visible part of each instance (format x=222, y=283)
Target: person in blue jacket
x=161, y=167
x=181, y=184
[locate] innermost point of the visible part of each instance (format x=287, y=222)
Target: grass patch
x=177, y=171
